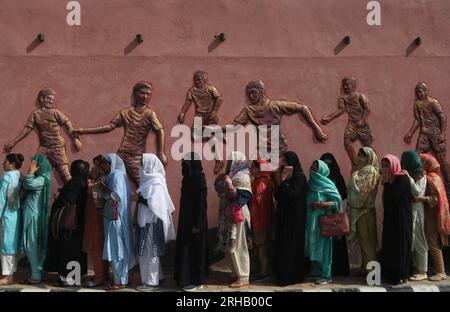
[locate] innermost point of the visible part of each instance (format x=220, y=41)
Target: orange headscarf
x=434, y=180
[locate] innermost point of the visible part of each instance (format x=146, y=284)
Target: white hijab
x=153, y=188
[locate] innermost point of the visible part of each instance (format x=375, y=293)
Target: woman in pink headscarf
x=397, y=221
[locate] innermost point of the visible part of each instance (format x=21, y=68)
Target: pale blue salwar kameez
x=118, y=246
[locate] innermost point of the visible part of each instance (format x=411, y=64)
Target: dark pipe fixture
x=220, y=37
x=418, y=41
x=40, y=37
x=139, y=38
x=347, y=39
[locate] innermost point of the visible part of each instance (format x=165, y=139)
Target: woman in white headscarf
x=154, y=218
x=118, y=246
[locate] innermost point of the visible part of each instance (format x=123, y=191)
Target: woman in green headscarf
x=322, y=197
x=37, y=185
x=362, y=192
x=412, y=167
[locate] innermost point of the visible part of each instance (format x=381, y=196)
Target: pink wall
x=288, y=44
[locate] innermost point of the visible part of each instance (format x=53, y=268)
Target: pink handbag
x=237, y=213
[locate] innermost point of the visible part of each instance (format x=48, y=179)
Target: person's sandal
x=239, y=284
x=419, y=277
x=438, y=277
x=6, y=282
x=114, y=287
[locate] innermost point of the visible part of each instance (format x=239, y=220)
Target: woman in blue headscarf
x=118, y=247
x=322, y=197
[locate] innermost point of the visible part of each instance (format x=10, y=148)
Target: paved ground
x=218, y=282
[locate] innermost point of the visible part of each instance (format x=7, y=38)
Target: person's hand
x=213, y=115
x=8, y=147
x=321, y=136
x=419, y=198
x=77, y=144
x=33, y=167
x=249, y=244
x=228, y=182
x=77, y=132
x=232, y=243
x=181, y=118
x=286, y=173
x=163, y=158
x=407, y=138
x=406, y=173
x=325, y=121
x=195, y=230
x=316, y=205
x=103, y=187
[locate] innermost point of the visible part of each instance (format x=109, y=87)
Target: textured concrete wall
x=292, y=45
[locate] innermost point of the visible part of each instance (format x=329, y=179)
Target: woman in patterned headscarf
x=362, y=192
x=436, y=215
x=235, y=189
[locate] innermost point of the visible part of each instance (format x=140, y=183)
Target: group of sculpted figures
x=139, y=120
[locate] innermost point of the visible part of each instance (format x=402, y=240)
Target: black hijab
x=192, y=170
x=80, y=170
x=335, y=174
x=292, y=160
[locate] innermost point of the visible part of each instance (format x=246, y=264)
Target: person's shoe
x=147, y=288
x=438, y=277
x=191, y=288
x=419, y=277
x=239, y=283
x=323, y=281
x=94, y=283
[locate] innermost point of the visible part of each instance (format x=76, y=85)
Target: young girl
x=11, y=218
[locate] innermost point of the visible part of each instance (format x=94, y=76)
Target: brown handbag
x=64, y=219
x=334, y=225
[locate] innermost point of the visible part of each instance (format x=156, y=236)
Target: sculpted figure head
x=45, y=98
x=421, y=91
x=200, y=79
x=349, y=85
x=142, y=92
x=255, y=91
